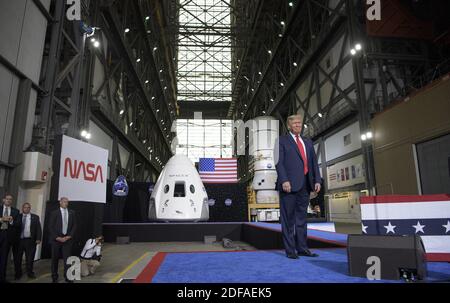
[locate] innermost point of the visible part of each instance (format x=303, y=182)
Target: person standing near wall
x=30, y=237
x=9, y=225
x=62, y=230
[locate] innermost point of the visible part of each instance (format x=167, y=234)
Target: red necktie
x=303, y=154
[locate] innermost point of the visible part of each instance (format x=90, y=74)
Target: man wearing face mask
x=298, y=175
x=9, y=225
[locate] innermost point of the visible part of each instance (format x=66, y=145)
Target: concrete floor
x=123, y=261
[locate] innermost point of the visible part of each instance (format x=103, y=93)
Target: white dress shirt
x=26, y=233
x=301, y=141
x=6, y=213
x=64, y=228
x=90, y=249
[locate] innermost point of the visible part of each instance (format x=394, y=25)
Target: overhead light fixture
x=131, y=124
x=88, y=136
x=291, y=4
x=264, y=112
x=306, y=126
x=253, y=90
x=281, y=84
x=271, y=99
x=121, y=112
x=282, y=23
x=127, y=30
x=146, y=81
x=353, y=51
x=320, y=115
x=160, y=70
x=165, y=87
x=83, y=133
x=96, y=44
x=155, y=48
x=358, y=46
x=363, y=137
x=138, y=60
x=93, y=40
x=269, y=51
x=280, y=35
x=369, y=135
x=259, y=73
x=295, y=64
x=246, y=78
x=157, y=110
x=147, y=18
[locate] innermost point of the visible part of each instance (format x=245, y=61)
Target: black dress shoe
x=308, y=253
x=292, y=256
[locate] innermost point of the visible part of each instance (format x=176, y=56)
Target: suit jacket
x=35, y=227
x=290, y=164
x=14, y=229
x=55, y=225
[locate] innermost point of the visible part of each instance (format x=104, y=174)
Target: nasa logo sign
x=82, y=173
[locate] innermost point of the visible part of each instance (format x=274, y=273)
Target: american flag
x=218, y=170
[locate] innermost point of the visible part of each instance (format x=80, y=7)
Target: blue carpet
x=326, y=235
x=267, y=267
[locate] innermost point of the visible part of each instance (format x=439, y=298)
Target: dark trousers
x=57, y=249
x=5, y=247
x=293, y=213
x=27, y=246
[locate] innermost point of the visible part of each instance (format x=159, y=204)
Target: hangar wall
x=22, y=32
x=419, y=118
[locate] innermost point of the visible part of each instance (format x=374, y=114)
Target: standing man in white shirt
x=91, y=255
x=62, y=230
x=8, y=234
x=30, y=237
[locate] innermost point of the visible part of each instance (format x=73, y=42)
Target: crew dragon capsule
x=179, y=194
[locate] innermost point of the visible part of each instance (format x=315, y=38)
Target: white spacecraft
x=179, y=194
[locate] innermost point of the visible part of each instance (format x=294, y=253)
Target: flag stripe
x=404, y=199
x=392, y=211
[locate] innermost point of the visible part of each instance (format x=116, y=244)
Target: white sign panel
x=346, y=173
x=83, y=171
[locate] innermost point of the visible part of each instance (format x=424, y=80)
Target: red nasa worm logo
x=90, y=171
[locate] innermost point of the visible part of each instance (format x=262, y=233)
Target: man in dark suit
x=62, y=229
x=9, y=225
x=298, y=175
x=30, y=237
